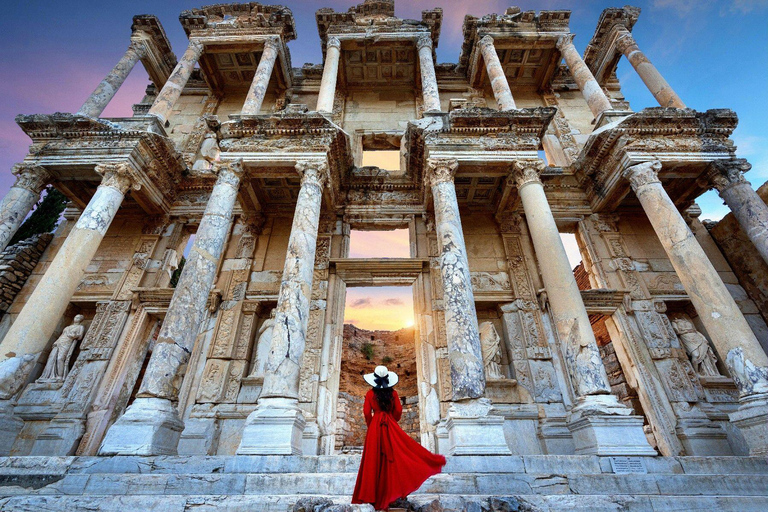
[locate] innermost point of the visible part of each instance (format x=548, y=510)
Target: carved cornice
x=31, y=177
x=120, y=176
x=251, y=17
x=159, y=59
x=440, y=170
x=723, y=174
x=642, y=174
x=600, y=57
x=525, y=172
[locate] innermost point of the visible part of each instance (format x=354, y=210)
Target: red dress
x=393, y=464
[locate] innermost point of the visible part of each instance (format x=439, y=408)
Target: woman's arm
x=368, y=407
x=397, y=406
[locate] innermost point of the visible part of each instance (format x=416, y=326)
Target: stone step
x=341, y=484
x=205, y=503
x=530, y=464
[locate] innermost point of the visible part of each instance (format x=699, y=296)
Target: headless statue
x=57, y=367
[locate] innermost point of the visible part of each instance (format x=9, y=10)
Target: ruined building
x=536, y=386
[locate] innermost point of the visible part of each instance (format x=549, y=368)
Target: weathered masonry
x=254, y=170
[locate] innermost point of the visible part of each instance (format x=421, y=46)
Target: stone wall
x=16, y=265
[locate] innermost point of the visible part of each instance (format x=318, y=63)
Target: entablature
x=601, y=55
x=684, y=140
x=524, y=42
x=158, y=57
x=70, y=146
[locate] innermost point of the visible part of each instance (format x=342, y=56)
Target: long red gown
x=393, y=464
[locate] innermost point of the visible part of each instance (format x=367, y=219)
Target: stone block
x=610, y=435
x=276, y=427
x=150, y=426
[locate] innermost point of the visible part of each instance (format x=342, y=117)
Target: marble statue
x=491, y=343
x=209, y=153
x=702, y=358
x=57, y=367
x=262, y=345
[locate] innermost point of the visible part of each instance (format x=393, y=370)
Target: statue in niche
x=702, y=358
x=262, y=345
x=57, y=367
x=209, y=153
x=491, y=344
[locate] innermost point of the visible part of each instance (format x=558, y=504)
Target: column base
x=150, y=426
x=703, y=437
x=61, y=437
x=751, y=419
x=471, y=431
x=276, y=427
x=600, y=425
x=10, y=427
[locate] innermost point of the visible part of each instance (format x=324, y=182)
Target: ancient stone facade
x=255, y=167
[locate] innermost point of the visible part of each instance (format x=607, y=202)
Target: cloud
x=393, y=302
x=361, y=302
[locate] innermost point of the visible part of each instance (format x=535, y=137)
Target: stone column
x=596, y=99
x=330, y=73
x=36, y=323
x=18, y=202
x=277, y=424
x=151, y=425
x=471, y=429
x=428, y=79
x=258, y=88
x=466, y=353
x=751, y=212
x=496, y=75
x=731, y=335
x=173, y=87
x=659, y=87
x=105, y=91
x=599, y=423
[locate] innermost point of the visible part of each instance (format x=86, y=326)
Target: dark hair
x=384, y=398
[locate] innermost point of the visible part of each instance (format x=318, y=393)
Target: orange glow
x=386, y=308
x=379, y=244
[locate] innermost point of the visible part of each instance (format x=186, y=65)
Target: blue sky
x=713, y=53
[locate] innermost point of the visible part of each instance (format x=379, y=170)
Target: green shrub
x=386, y=360
x=367, y=350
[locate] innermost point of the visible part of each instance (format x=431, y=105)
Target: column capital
x=564, y=42
x=485, y=42
x=272, y=43
x=230, y=172
x=196, y=45
x=441, y=170
x=423, y=40
x=723, y=174
x=333, y=42
x=120, y=176
x=31, y=177
x=643, y=173
x=313, y=172
x=138, y=47
x=624, y=39
x=525, y=172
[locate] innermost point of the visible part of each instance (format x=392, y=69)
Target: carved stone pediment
x=70, y=146
x=600, y=55
x=251, y=16
x=684, y=140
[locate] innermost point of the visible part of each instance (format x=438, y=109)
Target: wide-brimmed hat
x=387, y=378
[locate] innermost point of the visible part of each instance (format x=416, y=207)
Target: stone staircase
x=276, y=483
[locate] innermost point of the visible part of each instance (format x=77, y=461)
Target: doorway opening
x=378, y=330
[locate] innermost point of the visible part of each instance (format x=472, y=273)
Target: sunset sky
x=713, y=53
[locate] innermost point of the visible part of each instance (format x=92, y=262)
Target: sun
x=408, y=323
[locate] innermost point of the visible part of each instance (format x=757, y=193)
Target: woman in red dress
x=393, y=464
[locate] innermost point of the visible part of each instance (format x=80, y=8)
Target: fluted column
x=466, y=355
x=277, y=424
x=260, y=82
x=565, y=303
x=151, y=425
x=648, y=73
x=37, y=321
x=169, y=94
x=748, y=208
x=731, y=335
x=18, y=202
x=428, y=79
x=596, y=99
x=106, y=90
x=330, y=73
x=499, y=84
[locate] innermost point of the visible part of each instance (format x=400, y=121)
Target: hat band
x=381, y=382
